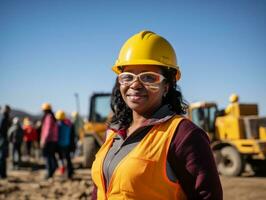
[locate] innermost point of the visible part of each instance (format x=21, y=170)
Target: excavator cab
x=204, y=114
x=95, y=127
x=99, y=107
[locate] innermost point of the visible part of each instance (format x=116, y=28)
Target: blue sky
x=51, y=49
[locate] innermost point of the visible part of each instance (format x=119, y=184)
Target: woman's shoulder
x=187, y=124
x=187, y=130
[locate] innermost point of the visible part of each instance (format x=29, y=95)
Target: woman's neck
x=136, y=123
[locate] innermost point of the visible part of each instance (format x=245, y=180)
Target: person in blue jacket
x=65, y=142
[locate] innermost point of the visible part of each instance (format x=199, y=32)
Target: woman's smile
x=135, y=98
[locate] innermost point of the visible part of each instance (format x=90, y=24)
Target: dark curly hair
x=122, y=114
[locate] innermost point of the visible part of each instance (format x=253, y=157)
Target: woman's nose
x=136, y=84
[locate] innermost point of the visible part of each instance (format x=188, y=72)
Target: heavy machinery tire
x=89, y=151
x=231, y=162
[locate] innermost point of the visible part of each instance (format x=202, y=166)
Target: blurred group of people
x=54, y=137
x=27, y=133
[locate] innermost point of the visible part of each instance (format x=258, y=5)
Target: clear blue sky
x=51, y=49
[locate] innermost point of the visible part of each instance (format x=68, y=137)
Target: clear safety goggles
x=147, y=78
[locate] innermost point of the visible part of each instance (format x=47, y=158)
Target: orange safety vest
x=141, y=175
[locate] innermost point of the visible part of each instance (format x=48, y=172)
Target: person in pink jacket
x=49, y=139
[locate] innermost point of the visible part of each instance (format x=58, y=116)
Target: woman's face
x=142, y=98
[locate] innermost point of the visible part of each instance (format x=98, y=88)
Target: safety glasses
x=147, y=78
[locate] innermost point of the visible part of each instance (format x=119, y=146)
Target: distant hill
x=22, y=114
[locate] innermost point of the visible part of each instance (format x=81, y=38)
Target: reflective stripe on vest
x=141, y=175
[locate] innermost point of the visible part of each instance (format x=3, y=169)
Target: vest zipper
x=108, y=165
x=112, y=176
x=109, y=162
x=102, y=175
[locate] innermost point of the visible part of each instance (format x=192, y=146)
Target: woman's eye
x=149, y=78
x=127, y=77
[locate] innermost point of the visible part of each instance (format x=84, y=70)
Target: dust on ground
x=29, y=183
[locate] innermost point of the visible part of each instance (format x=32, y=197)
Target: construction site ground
x=29, y=183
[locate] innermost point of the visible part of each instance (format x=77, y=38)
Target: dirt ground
x=28, y=183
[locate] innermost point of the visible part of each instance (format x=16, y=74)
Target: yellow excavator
x=237, y=134
x=94, y=128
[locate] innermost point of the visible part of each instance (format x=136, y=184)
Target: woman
x=151, y=151
x=49, y=139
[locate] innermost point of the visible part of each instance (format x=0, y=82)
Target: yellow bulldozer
x=238, y=134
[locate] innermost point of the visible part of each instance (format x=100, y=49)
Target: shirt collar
x=163, y=114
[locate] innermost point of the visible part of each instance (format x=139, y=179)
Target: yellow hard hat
x=74, y=114
x=60, y=115
x=46, y=106
x=26, y=121
x=233, y=98
x=147, y=48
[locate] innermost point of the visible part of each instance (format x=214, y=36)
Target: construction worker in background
x=30, y=136
x=49, y=139
x=233, y=99
x=15, y=137
x=38, y=127
x=152, y=151
x=79, y=131
x=5, y=123
x=65, y=142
